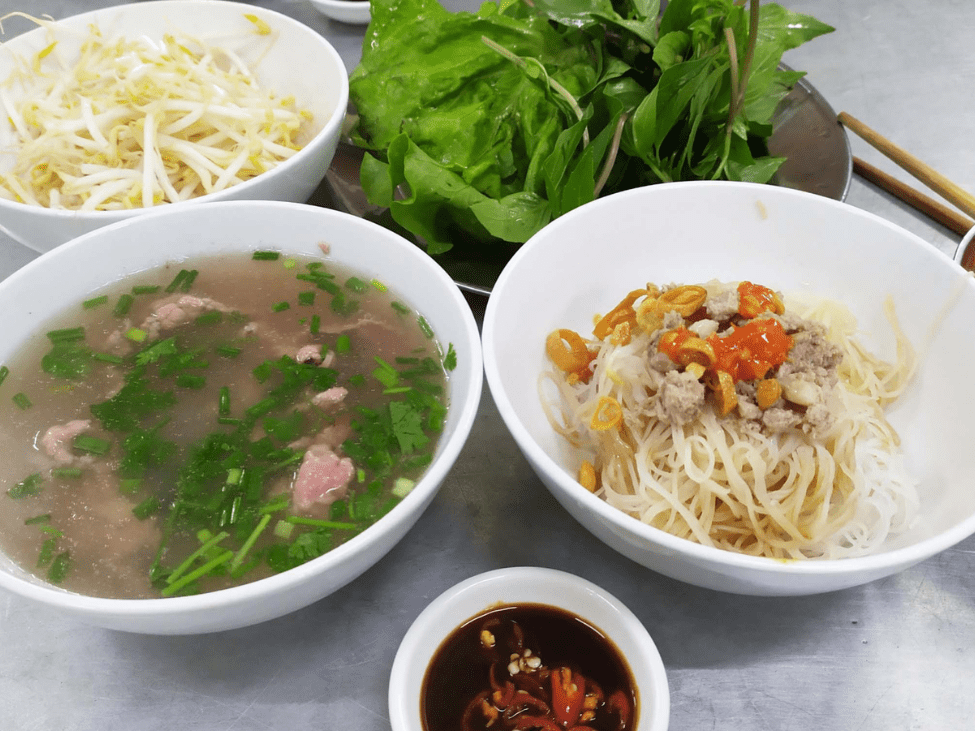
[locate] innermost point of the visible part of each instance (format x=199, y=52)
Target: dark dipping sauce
x=568, y=675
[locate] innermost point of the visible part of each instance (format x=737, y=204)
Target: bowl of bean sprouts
x=113, y=112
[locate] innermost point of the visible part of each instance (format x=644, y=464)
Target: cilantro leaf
x=450, y=360
x=155, y=351
x=407, y=423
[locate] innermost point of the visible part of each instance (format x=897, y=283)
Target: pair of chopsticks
x=951, y=192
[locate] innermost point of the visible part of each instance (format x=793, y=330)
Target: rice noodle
x=188, y=117
x=720, y=481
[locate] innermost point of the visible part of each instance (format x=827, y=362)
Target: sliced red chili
x=524, y=723
x=568, y=695
x=620, y=704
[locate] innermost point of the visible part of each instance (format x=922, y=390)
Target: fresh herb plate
x=806, y=133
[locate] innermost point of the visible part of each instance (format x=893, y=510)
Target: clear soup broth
x=213, y=422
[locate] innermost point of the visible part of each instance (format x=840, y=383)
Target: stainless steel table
x=895, y=654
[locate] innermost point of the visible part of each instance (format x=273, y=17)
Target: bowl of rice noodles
x=747, y=388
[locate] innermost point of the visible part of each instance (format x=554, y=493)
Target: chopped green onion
x=129, y=486
x=22, y=401
x=400, y=308
x=224, y=402
x=43, y=518
x=229, y=421
x=290, y=263
x=4, y=372
x=182, y=281
x=186, y=380
x=283, y=529
x=146, y=508
x=356, y=284
x=402, y=487
x=59, y=568
x=424, y=326
x=136, y=335
x=108, y=358
x=280, y=306
x=228, y=351
x=266, y=256
x=340, y=305
x=72, y=472
x=360, y=475
x=385, y=373
x=67, y=334
x=357, y=380
x=94, y=302
x=90, y=444
x=233, y=475
x=249, y=543
x=28, y=487
x=262, y=372
x=209, y=318
x=342, y=344
x=262, y=407
x=316, y=323
x=146, y=289
x=306, y=298
x=46, y=553
x=378, y=285
x=123, y=305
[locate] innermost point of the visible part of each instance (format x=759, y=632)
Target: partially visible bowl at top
x=286, y=57
x=965, y=252
x=800, y=244
x=486, y=594
x=66, y=276
x=346, y=11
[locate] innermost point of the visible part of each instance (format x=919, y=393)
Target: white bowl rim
x=336, y=120
x=404, y=662
x=277, y=583
x=964, y=244
x=654, y=536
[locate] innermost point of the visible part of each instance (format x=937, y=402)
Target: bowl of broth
x=528, y=647
x=217, y=415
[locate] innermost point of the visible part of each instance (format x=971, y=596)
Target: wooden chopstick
x=947, y=217
x=925, y=173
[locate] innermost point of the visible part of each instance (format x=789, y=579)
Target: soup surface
x=213, y=422
x=528, y=666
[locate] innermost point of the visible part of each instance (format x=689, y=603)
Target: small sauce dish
x=600, y=614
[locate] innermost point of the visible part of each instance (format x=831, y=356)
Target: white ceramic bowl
x=585, y=261
x=523, y=586
x=71, y=271
x=321, y=87
x=346, y=11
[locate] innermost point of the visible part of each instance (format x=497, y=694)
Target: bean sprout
x=129, y=123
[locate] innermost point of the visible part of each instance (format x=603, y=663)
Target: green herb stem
x=200, y=572
x=189, y=561
x=333, y=524
x=249, y=543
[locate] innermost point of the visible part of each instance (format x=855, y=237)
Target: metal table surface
x=895, y=654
